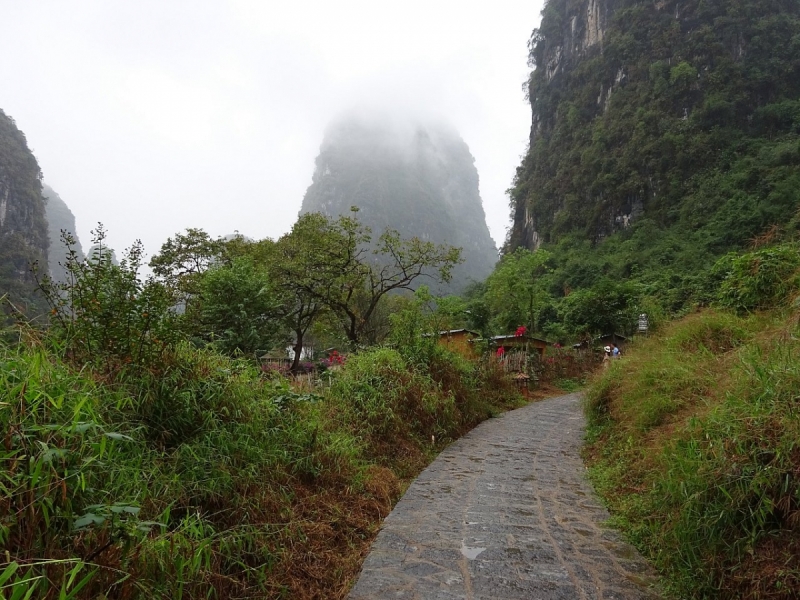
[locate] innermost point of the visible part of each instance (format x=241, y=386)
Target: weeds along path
x=505, y=513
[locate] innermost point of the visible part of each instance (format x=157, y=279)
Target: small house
x=459, y=341
x=519, y=342
x=610, y=338
x=600, y=341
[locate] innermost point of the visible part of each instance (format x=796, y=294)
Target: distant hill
x=23, y=225
x=59, y=218
x=413, y=175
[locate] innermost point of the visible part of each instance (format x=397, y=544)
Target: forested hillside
x=23, y=226
x=416, y=176
x=664, y=134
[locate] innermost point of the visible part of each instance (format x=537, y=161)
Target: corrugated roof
x=498, y=338
x=452, y=331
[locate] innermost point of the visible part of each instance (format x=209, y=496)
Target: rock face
x=635, y=101
x=416, y=176
x=23, y=226
x=59, y=218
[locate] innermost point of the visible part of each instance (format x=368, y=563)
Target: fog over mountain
x=410, y=173
x=209, y=113
x=23, y=228
x=59, y=219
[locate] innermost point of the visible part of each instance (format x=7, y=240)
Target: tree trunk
x=298, y=350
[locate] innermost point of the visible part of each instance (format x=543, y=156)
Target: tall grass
x=136, y=465
x=695, y=445
x=202, y=477
x=174, y=491
x=392, y=402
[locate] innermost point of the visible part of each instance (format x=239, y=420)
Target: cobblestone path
x=505, y=513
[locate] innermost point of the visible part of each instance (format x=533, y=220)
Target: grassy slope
x=209, y=479
x=695, y=445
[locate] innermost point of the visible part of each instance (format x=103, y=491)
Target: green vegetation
x=245, y=296
x=665, y=140
x=659, y=148
x=694, y=437
x=152, y=450
x=148, y=454
x=531, y=289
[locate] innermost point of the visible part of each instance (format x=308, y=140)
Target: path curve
x=505, y=513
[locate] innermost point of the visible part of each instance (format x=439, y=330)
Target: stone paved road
x=505, y=513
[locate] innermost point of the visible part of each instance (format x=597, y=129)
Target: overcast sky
x=153, y=116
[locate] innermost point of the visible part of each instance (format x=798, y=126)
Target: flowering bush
x=333, y=360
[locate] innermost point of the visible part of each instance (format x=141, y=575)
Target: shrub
x=386, y=398
x=105, y=315
x=391, y=403
x=760, y=279
x=87, y=486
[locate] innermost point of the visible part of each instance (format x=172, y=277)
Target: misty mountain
x=414, y=175
x=59, y=218
x=96, y=252
x=23, y=225
x=679, y=116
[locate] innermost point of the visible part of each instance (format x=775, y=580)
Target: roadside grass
x=694, y=443
x=570, y=385
x=199, y=476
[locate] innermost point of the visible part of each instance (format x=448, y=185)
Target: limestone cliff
x=59, y=219
x=23, y=226
x=413, y=175
x=637, y=104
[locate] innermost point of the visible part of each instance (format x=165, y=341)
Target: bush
x=105, y=315
x=86, y=483
x=240, y=310
x=392, y=404
x=760, y=279
x=388, y=398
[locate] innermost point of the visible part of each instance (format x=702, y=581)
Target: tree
x=106, y=314
x=327, y=262
x=395, y=264
x=514, y=292
x=242, y=310
x=184, y=258
x=311, y=264
x=608, y=307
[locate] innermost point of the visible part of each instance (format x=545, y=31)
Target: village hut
x=459, y=341
x=524, y=343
